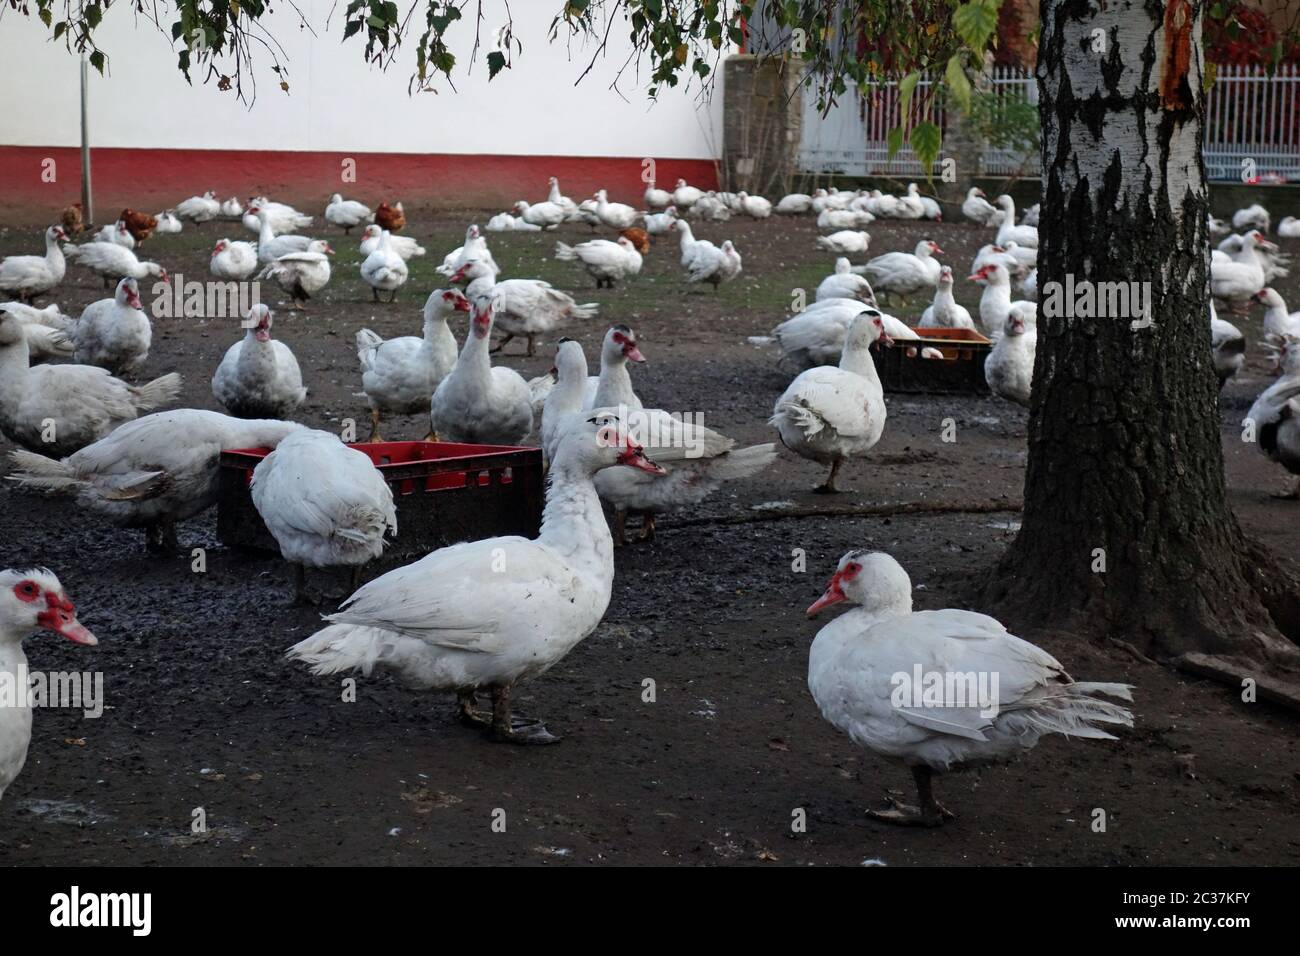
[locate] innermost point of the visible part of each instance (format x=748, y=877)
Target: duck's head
x=444, y=302
x=481, y=323
x=258, y=321
x=128, y=293
x=867, y=326
x=1018, y=320
x=620, y=346
x=871, y=579
x=570, y=361
x=471, y=269
x=370, y=232
x=933, y=247
x=34, y=600
x=602, y=441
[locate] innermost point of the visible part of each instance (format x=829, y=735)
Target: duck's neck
x=13, y=669
x=474, y=364
x=53, y=251
x=574, y=525
x=857, y=359
x=997, y=294
x=438, y=336
x=256, y=355
x=615, y=386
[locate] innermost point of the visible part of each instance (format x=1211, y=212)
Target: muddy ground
x=204, y=711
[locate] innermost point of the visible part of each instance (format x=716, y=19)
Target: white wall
x=337, y=102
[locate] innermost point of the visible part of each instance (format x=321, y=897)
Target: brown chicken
x=638, y=237
x=390, y=217
x=71, y=220
x=139, y=224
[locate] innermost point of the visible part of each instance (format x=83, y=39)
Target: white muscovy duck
x=657, y=198
x=233, y=259
x=117, y=233
x=696, y=461
x=544, y=215
x=404, y=246
x=613, y=386
x=479, y=403
x=57, y=409
x=199, y=208
x=384, y=269
x=272, y=245
x=400, y=375
x=844, y=283
x=904, y=273
x=168, y=224
x=1277, y=319
x=977, y=208
x=831, y=199
x=792, y=204
x=1267, y=254
x=845, y=242
x=816, y=335
x=347, y=213
x=301, y=274
x=945, y=312
x=233, y=209
x=994, y=253
x=527, y=307
x=504, y=222
x=659, y=223
x=685, y=196
x=556, y=195
x=47, y=330
x=911, y=205
x=1030, y=218
x=326, y=504
x=152, y=472
x=1216, y=227
x=605, y=261
x=1008, y=231
x=31, y=600
x=259, y=377
x=711, y=208
x=713, y=264
x=756, y=207
x=1236, y=280
x=1228, y=346
x=474, y=247
x=995, y=302
x=832, y=413
x=1009, y=368
x=615, y=215
x=29, y=276
x=844, y=219
x=853, y=673
x=1289, y=228
x=111, y=262
x=1029, y=286
x=284, y=218
x=493, y=613
x=1276, y=412
x=1252, y=217
x=114, y=334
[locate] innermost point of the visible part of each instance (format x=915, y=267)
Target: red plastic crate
x=444, y=492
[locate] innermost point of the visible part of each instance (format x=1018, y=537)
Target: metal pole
x=87, y=203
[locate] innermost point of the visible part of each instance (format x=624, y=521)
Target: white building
x=157, y=140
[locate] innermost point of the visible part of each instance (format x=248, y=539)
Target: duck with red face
x=30, y=600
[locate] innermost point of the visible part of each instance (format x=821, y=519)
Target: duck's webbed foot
x=468, y=713
x=516, y=729
x=928, y=813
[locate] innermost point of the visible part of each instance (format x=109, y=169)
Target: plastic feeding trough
x=902, y=368
x=444, y=493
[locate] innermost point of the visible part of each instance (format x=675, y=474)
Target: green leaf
x=975, y=22
x=925, y=141
x=97, y=61
x=352, y=27
x=46, y=17
x=496, y=61
x=60, y=28
x=377, y=23
x=958, y=84
x=895, y=141
x=905, y=88
x=94, y=14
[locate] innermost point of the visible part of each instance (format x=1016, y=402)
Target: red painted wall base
x=153, y=179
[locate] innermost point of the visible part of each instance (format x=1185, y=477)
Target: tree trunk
x=1126, y=529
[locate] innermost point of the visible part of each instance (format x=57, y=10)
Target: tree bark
x=1125, y=452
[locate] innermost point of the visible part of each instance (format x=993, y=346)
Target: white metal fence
x=1249, y=116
